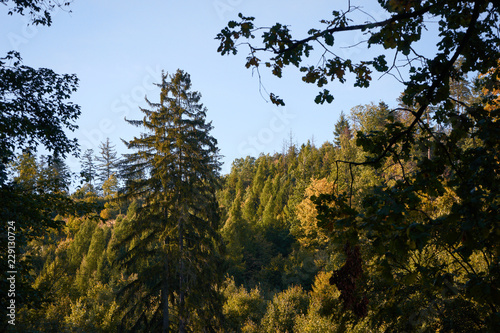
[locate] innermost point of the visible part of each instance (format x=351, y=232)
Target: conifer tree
x=236, y=231
x=175, y=229
x=48, y=174
x=26, y=170
x=89, y=170
x=342, y=129
x=370, y=117
x=107, y=161
x=55, y=176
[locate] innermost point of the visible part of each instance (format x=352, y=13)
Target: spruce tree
x=55, y=176
x=88, y=169
x=236, y=232
x=342, y=129
x=26, y=170
x=175, y=229
x=107, y=161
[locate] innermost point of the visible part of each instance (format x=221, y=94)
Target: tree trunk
x=166, y=323
x=182, y=324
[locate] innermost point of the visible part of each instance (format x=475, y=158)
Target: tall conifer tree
x=88, y=169
x=175, y=229
x=55, y=176
x=107, y=161
x=342, y=129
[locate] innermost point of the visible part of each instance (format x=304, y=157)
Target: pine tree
x=370, y=117
x=342, y=129
x=26, y=170
x=128, y=172
x=55, y=176
x=48, y=174
x=236, y=231
x=88, y=168
x=178, y=221
x=107, y=161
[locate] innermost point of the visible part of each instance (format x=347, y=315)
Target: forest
x=393, y=225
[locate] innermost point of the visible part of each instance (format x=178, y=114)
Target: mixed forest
x=390, y=226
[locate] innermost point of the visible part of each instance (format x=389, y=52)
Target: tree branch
x=428, y=96
x=395, y=18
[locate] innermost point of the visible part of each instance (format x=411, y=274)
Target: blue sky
x=119, y=48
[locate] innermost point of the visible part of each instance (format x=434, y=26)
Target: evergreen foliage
x=391, y=227
x=107, y=161
x=88, y=170
x=424, y=222
x=173, y=245
x=285, y=266
x=342, y=130
x=35, y=111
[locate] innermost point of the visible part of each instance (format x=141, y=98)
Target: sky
x=118, y=50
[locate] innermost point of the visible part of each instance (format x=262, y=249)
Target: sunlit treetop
x=491, y=87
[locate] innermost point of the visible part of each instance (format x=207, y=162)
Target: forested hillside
x=280, y=264
x=392, y=225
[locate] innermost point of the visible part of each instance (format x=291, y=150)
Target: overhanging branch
x=443, y=75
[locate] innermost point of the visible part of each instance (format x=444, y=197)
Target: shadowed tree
x=174, y=234
x=34, y=111
x=88, y=168
x=429, y=257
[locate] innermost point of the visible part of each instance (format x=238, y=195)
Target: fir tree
x=179, y=217
x=342, y=129
x=88, y=168
x=370, y=117
x=107, y=161
x=236, y=231
x=55, y=175
x=26, y=170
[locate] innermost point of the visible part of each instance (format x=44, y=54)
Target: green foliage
x=38, y=10
x=23, y=126
x=172, y=246
x=94, y=312
x=29, y=213
x=423, y=225
x=93, y=257
x=413, y=192
x=80, y=245
x=110, y=191
x=243, y=308
x=237, y=230
x=342, y=130
x=371, y=117
x=419, y=198
x=281, y=260
x=266, y=218
x=34, y=111
x=48, y=174
x=107, y=161
x=399, y=33
x=313, y=323
x=88, y=169
x=283, y=310
x=55, y=176
x=26, y=168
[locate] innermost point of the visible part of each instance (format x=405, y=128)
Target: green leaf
x=328, y=39
x=276, y=100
